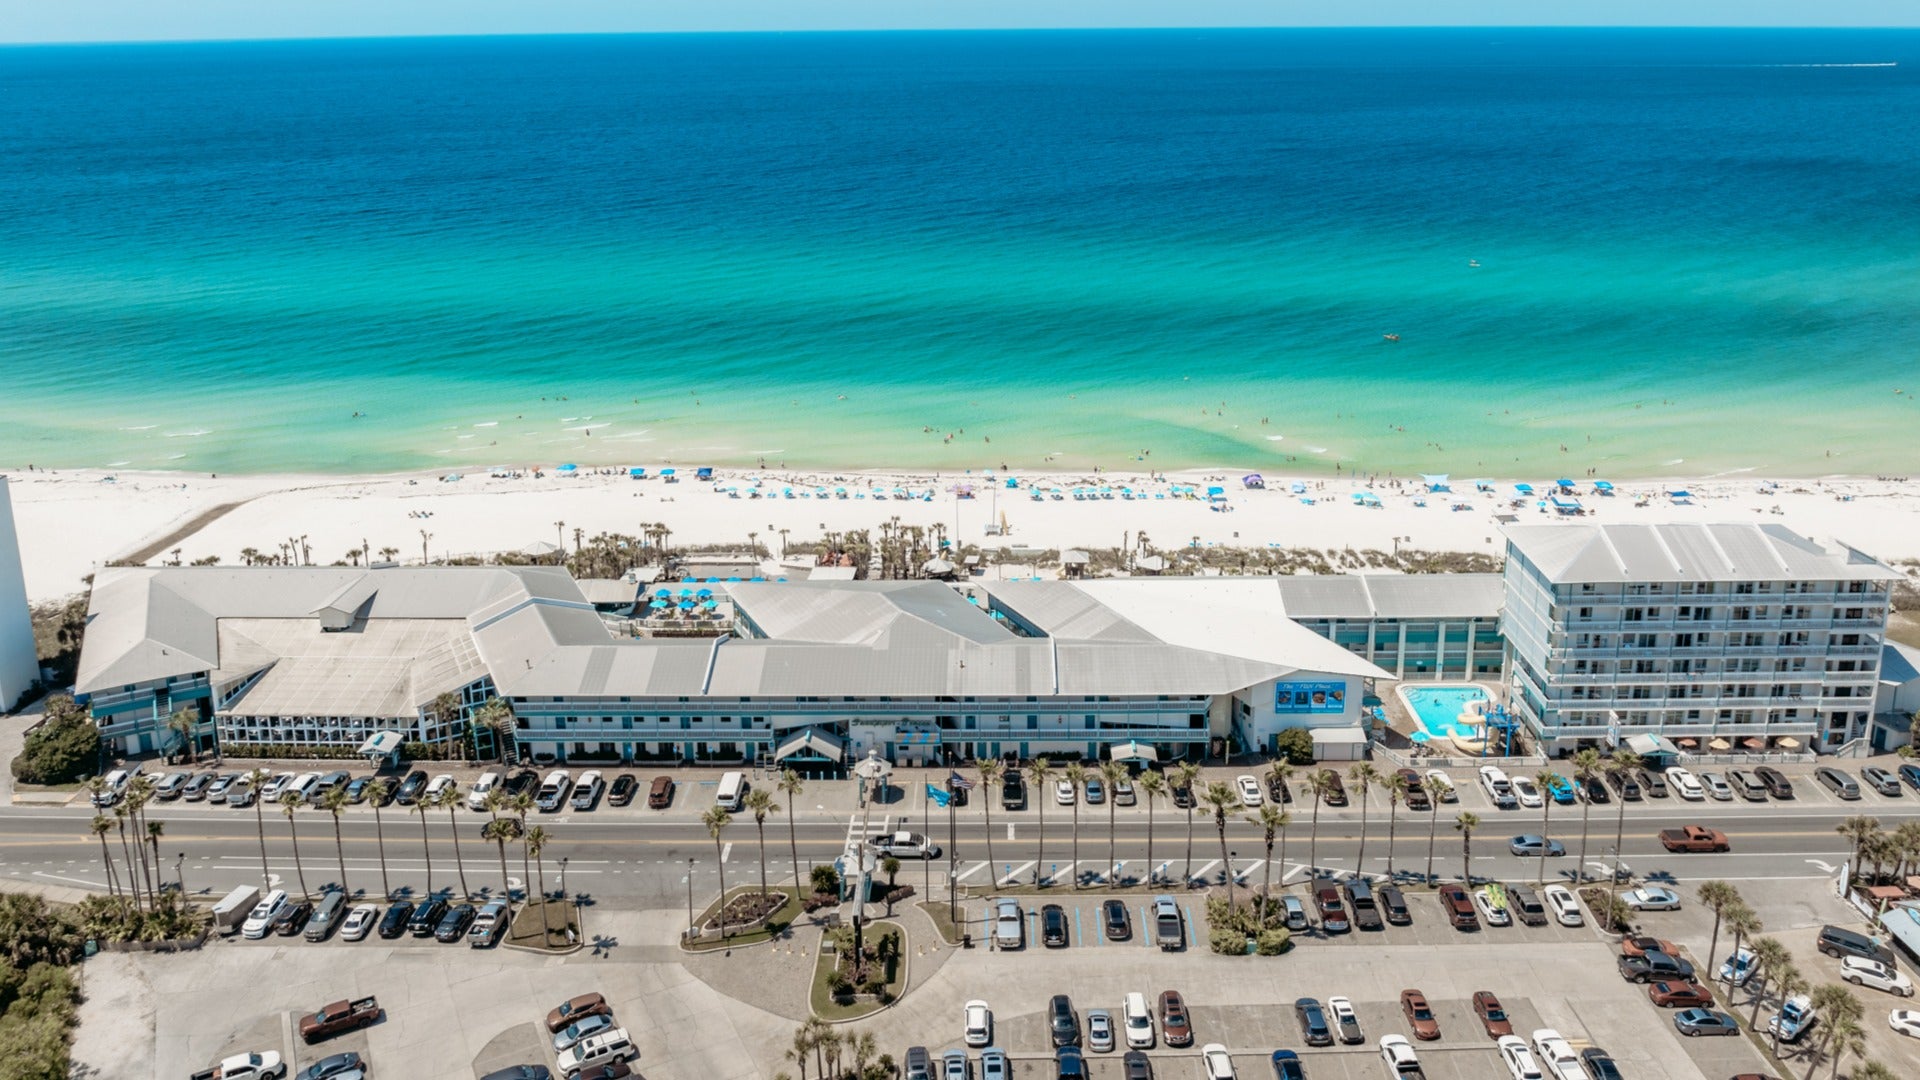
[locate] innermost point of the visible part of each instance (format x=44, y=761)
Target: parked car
x=660, y=793
x=334, y=1065
x=1416, y=796
x=1215, y=1064
x=1560, y=790
x=1716, y=787
x=1492, y=908
x=1594, y=790
x=1176, y=1027
x=1123, y=793
x=622, y=790
x=1096, y=791
x=1346, y=1022
x=1651, y=898
x=197, y=787
x=917, y=1065
x=1625, y=784
x=1691, y=1022
x=1493, y=1017
x=1778, y=785
x=1063, y=1022
x=338, y=1016
x=1653, y=967
x=1642, y=944
x=1138, y=1020
x=1286, y=1066
x=1420, y=1017
x=1736, y=969
x=1113, y=916
x=260, y=921
x=1517, y=1058
x=1333, y=912
x=1394, y=905
x=579, y=1030
x=1651, y=782
x=586, y=793
x=357, y=789
x=410, y=789
x=1063, y=792
x=1905, y=1022
x=1249, y=790
x=1277, y=790
x=170, y=786
x=360, y=922
x=1861, y=971
x=1525, y=906
x=522, y=781
x=1552, y=1051
x=1685, y=784
x=1053, y=926
x=1182, y=797
x=1837, y=782
x=1838, y=941
x=426, y=918
x=293, y=918
x=1524, y=793
x=977, y=1023
x=1296, y=913
x=1402, y=1062
x=554, y=789
x=1336, y=792
x=1881, y=781
x=954, y=1066
x=1564, y=905
x=1315, y=1030
x=1068, y=1064
x=1910, y=772
x=1459, y=908
x=1013, y=790
x=575, y=1008
x=239, y=794
x=490, y=924
x=1169, y=929
x=1440, y=784
x=994, y=1064
x=394, y=922
x=1360, y=901
x=1678, y=994
x=1530, y=844
x=1600, y=1064
x=1136, y=1066
x=1009, y=924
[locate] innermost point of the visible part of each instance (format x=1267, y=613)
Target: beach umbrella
x=663, y=593
x=710, y=604
x=566, y=468
x=666, y=472
x=686, y=605
x=685, y=593
x=733, y=579
x=757, y=579
x=658, y=605
x=704, y=593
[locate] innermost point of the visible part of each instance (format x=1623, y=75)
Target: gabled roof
x=1580, y=553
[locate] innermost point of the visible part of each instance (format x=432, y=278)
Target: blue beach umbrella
x=704, y=593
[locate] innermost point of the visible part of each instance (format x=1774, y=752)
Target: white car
x=1651, y=898
x=1517, y=1058
x=1738, y=968
x=1346, y=1022
x=1441, y=784
x=1686, y=784
x=1564, y=905
x=1249, y=790
x=979, y=1023
x=1716, y=787
x=483, y=787
x=1401, y=1061
x=442, y=783
x=1494, y=914
x=1556, y=1055
x=260, y=919
x=1905, y=1022
x=360, y=921
x=1861, y=971
x=1063, y=792
x=1498, y=788
x=1524, y=791
x=1099, y=1031
x=1139, y=1022
x=1214, y=1062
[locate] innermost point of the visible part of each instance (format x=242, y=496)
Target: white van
x=1499, y=788
x=733, y=791
x=1138, y=1021
x=303, y=786
x=483, y=787
x=115, y=789
x=261, y=920
x=601, y=1049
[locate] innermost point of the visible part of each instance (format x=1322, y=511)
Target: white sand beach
x=73, y=521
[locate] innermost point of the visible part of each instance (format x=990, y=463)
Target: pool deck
x=1402, y=721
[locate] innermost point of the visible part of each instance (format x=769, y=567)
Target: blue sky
x=141, y=20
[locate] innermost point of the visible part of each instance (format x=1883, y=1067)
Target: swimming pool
x=1437, y=708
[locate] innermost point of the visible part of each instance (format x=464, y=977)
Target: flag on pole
x=955, y=780
x=939, y=797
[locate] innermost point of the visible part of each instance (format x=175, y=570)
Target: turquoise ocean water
x=1696, y=251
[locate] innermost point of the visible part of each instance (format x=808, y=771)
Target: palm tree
x=120, y=815
x=1845, y=1036
x=255, y=780
x=989, y=773
x=1439, y=789
x=534, y=841
x=1621, y=765
x=1546, y=780
x=183, y=723
x=1858, y=829
x=1744, y=922
x=1840, y=1009
x=1043, y=773
x=496, y=716
x=1319, y=782
x=423, y=807
x=334, y=802
x=1112, y=772
x=140, y=792
x=378, y=791
x=500, y=830
x=449, y=800
x=1271, y=820
x=1770, y=957
x=1185, y=775
x=802, y=1045
x=1076, y=774
x=1787, y=984
x=1220, y=799
x=102, y=825
x=791, y=785
x=155, y=830
x=760, y=801
x=1717, y=897
x=1396, y=786
x=1152, y=787
x=1465, y=824
x=1361, y=776
x=1873, y=1070
x=1586, y=767
x=290, y=804
x=716, y=819
x=518, y=807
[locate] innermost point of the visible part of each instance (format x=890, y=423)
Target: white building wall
x=19, y=663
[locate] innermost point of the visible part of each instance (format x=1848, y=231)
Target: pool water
x=1438, y=708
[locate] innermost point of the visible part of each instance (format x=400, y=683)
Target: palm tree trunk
x=133, y=876
x=426, y=855
x=793, y=848
x=380, y=837
x=1226, y=862
x=546, y=928
x=1466, y=859
x=1313, y=839
x=1546, y=836
x=986, y=807
x=1360, y=857
x=299, y=870
x=1266, y=884
x=106, y=858
x=458, y=862
x=526, y=869
x=340, y=851
x=721, y=868
x=260, y=824
x=1075, y=851
x=1433, y=833
x=1112, y=842
x=1187, y=877
x=1393, y=822
x=763, y=857
x=1150, y=873
x=1580, y=868
x=506, y=883
x=1619, y=837
x=1040, y=837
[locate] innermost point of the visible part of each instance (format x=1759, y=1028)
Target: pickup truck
x=1694, y=838
x=339, y=1016
x=1167, y=930
x=1794, y=1019
x=904, y=845
x=261, y=1065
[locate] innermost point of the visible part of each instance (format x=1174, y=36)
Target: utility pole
x=690, y=926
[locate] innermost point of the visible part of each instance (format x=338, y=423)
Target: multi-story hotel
x=19, y=663
x=1709, y=635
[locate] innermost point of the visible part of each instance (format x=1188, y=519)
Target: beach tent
x=1565, y=505
x=704, y=472
x=1483, y=485
x=1524, y=489
x=1435, y=481
x=668, y=476
x=1565, y=484
x=1681, y=495
x=566, y=468
x=1366, y=498
x=637, y=474
x=1603, y=487
x=1298, y=487
x=1253, y=480
x=1216, y=494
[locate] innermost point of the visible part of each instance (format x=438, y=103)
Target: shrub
x=826, y=880
x=61, y=750
x=838, y=984
x=1296, y=744
x=1227, y=942
x=1272, y=942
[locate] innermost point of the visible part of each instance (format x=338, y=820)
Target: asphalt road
x=643, y=861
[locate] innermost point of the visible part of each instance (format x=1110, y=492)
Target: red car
x=1640, y=946
x=1426, y=1026
x=1679, y=995
x=1492, y=1016
x=1175, y=1028
x=576, y=1009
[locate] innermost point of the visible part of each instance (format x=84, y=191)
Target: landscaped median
x=751, y=917
x=547, y=926
x=849, y=983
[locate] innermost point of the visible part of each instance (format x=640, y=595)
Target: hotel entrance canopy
x=811, y=742
x=1134, y=751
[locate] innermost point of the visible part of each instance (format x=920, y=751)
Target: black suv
x=1313, y=1022
x=453, y=925
x=411, y=787
x=1655, y=965
x=1277, y=790
x=394, y=922
x=523, y=781
x=1625, y=783
x=623, y=789
x=1595, y=790
x=1064, y=1021
x=1113, y=913
x=1778, y=786
x=1013, y=790
x=1053, y=926
x=1182, y=797
x=1837, y=942
x=1394, y=905
x=426, y=918
x=1366, y=914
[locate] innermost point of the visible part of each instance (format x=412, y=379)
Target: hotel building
x=19, y=661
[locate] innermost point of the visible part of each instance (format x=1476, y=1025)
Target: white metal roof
x=1583, y=552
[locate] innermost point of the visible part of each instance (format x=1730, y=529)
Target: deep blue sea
x=1639, y=252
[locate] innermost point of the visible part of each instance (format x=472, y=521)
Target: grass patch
x=940, y=913
x=773, y=928
x=22, y=785
x=527, y=930
x=821, y=998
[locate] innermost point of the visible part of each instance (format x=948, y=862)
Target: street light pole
x=179, y=861
x=690, y=898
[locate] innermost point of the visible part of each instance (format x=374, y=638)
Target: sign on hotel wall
x=1310, y=697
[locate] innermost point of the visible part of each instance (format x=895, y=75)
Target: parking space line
x=970, y=871
x=1017, y=872
x=1204, y=871
x=1055, y=876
